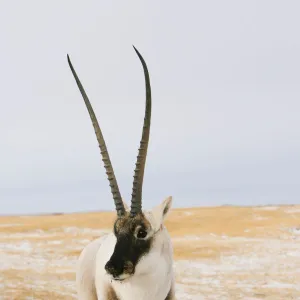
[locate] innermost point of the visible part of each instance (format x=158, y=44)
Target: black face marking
x=132, y=244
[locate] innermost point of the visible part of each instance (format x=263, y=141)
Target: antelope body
x=135, y=260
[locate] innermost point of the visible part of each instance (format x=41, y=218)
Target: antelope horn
x=105, y=156
x=136, y=200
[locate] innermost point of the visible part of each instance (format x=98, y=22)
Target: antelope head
x=136, y=231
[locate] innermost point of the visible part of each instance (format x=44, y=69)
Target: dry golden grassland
x=220, y=252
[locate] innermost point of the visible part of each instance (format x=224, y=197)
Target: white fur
x=153, y=277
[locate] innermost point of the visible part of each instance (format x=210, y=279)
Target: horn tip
x=136, y=50
x=69, y=60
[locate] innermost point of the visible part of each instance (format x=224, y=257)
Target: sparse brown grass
x=206, y=235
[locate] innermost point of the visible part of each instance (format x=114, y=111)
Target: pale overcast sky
x=225, y=80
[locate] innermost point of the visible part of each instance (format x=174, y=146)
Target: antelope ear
x=161, y=211
x=127, y=208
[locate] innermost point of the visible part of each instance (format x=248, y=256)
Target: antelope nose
x=112, y=269
x=128, y=267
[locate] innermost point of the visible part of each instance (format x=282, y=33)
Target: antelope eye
x=141, y=234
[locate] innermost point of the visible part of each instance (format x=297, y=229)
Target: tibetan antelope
x=135, y=260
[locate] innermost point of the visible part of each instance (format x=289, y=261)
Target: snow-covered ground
x=40, y=264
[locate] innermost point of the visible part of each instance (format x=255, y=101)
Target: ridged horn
x=136, y=200
x=105, y=156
